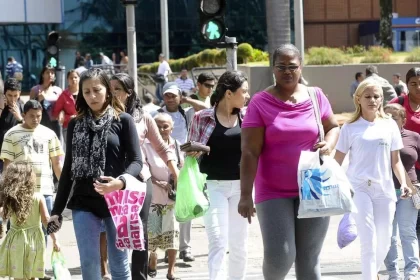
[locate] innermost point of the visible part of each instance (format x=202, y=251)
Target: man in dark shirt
x=11, y=108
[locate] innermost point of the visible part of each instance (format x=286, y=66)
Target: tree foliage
x=385, y=26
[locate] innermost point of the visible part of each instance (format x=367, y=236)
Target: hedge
x=209, y=57
x=413, y=55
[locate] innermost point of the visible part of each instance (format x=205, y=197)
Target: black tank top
x=225, y=153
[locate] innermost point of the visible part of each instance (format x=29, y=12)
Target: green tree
x=385, y=26
x=278, y=23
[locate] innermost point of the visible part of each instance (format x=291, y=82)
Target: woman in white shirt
x=373, y=140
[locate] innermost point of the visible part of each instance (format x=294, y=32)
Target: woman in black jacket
x=102, y=144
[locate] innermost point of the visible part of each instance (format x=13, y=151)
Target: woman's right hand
x=246, y=207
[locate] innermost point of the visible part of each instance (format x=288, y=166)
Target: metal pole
x=231, y=53
x=299, y=27
x=131, y=44
x=61, y=76
x=164, y=27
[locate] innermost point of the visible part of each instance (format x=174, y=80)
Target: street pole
x=61, y=76
x=231, y=53
x=299, y=28
x=131, y=43
x=164, y=27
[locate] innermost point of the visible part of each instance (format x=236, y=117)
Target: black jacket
x=7, y=120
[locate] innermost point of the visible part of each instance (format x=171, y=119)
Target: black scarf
x=89, y=153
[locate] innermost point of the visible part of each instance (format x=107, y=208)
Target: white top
x=405, y=88
x=150, y=107
x=107, y=61
x=164, y=69
x=370, y=145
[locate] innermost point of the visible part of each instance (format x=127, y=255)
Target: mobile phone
x=52, y=227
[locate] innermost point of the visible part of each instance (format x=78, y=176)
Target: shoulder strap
x=182, y=111
x=315, y=103
x=177, y=153
x=401, y=100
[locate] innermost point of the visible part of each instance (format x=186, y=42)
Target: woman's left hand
x=324, y=148
x=111, y=185
x=406, y=192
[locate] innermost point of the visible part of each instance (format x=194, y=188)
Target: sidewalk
x=336, y=264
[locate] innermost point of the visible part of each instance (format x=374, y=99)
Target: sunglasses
x=209, y=86
x=291, y=68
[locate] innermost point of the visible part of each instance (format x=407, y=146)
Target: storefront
x=406, y=33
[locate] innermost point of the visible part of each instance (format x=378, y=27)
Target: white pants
x=374, y=225
x=226, y=229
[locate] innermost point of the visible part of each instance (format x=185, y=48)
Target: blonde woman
x=374, y=140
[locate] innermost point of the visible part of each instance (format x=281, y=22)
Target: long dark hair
x=230, y=80
x=133, y=100
x=95, y=73
x=41, y=78
x=413, y=72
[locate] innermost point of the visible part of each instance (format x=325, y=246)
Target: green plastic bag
x=191, y=195
x=59, y=267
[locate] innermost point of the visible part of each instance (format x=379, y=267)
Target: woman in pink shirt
x=65, y=107
x=123, y=87
x=279, y=124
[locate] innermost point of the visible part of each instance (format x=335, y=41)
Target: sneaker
x=186, y=256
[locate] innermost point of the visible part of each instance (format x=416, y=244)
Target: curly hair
x=17, y=188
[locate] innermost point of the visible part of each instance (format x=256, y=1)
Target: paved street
x=336, y=263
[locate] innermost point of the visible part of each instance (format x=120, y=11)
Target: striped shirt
x=185, y=84
x=35, y=146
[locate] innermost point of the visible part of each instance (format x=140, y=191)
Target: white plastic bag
x=324, y=190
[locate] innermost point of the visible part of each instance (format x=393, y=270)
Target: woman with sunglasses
x=279, y=124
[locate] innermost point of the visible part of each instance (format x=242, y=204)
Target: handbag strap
x=177, y=153
x=317, y=111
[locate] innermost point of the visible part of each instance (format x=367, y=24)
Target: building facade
x=335, y=23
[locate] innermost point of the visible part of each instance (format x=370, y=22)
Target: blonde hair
x=17, y=188
x=398, y=108
x=368, y=83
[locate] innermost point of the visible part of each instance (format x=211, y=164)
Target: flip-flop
x=173, y=278
x=151, y=272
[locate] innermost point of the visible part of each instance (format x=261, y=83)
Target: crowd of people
x=78, y=142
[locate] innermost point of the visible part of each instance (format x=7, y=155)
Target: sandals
x=151, y=272
x=172, y=278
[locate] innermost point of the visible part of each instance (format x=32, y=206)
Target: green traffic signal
x=52, y=62
x=213, y=31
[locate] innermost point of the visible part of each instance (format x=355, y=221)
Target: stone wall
x=335, y=80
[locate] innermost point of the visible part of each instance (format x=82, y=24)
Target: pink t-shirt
x=289, y=129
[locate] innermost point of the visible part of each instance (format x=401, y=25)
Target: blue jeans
x=406, y=219
x=87, y=228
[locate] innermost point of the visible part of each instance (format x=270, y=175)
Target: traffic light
x=212, y=20
x=53, y=49
x=128, y=2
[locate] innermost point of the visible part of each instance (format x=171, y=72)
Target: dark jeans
x=140, y=259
